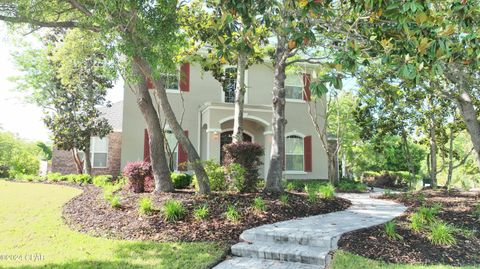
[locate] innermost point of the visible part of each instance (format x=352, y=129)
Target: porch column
x=213, y=144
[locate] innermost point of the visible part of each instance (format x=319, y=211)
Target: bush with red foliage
x=139, y=175
x=247, y=154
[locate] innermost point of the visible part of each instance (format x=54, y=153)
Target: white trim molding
x=248, y=117
x=295, y=172
x=296, y=133
x=213, y=130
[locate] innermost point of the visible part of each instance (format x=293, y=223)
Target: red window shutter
x=306, y=87
x=150, y=84
x=307, y=153
x=185, y=77
x=146, y=147
x=182, y=155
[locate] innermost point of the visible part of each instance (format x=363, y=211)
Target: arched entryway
x=226, y=138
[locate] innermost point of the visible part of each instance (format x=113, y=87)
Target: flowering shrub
x=137, y=174
x=248, y=155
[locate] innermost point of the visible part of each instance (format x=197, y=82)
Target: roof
x=114, y=115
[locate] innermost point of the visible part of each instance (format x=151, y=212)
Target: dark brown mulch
x=457, y=209
x=90, y=213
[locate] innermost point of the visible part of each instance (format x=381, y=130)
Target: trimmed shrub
x=216, y=176
x=248, y=155
x=235, y=174
x=201, y=212
x=145, y=206
x=137, y=173
x=4, y=171
x=102, y=180
x=181, y=180
x=77, y=178
x=173, y=210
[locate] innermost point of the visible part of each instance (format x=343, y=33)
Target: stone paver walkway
x=306, y=243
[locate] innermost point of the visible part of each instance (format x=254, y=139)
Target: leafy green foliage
x=236, y=176
x=181, y=180
x=391, y=230
x=173, y=210
x=327, y=191
x=145, y=206
x=248, y=156
x=201, y=212
x=102, y=180
x=232, y=214
x=115, y=202
x=18, y=156
x=441, y=234
x=216, y=174
x=347, y=185
x=259, y=204
x=417, y=222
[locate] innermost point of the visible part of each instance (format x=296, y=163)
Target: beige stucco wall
x=205, y=116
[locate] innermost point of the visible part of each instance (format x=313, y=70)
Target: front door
x=226, y=138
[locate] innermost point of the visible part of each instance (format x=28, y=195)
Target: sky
x=16, y=115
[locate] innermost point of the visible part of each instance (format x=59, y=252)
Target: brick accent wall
x=62, y=161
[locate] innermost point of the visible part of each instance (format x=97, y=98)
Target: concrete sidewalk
x=305, y=243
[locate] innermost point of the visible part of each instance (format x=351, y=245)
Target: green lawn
x=345, y=260
x=31, y=223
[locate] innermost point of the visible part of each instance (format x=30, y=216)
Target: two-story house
x=208, y=108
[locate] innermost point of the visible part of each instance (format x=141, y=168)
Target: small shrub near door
x=248, y=155
x=216, y=175
x=181, y=180
x=235, y=174
x=136, y=173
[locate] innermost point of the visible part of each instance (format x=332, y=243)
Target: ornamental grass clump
x=145, y=206
x=391, y=230
x=441, y=234
x=327, y=191
x=201, y=212
x=173, y=210
x=284, y=199
x=259, y=204
x=232, y=214
x=115, y=202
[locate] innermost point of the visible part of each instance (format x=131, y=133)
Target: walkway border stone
x=306, y=243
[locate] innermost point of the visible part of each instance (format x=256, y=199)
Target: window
x=293, y=86
x=294, y=153
x=230, y=84
x=99, y=149
x=171, y=81
x=172, y=152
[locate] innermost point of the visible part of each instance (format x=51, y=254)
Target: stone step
x=252, y=263
x=290, y=236
x=282, y=252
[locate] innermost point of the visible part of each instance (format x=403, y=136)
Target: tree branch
x=53, y=24
x=80, y=7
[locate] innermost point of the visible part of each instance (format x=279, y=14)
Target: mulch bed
x=90, y=213
x=457, y=209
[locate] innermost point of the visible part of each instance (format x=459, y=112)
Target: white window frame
x=302, y=137
x=246, y=84
x=92, y=151
x=175, y=147
x=294, y=100
x=177, y=74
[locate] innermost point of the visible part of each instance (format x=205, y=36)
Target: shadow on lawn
x=143, y=255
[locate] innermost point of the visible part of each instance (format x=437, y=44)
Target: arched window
x=294, y=155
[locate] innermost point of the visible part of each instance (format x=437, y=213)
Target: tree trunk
x=411, y=169
x=193, y=157
x=332, y=169
x=239, y=98
x=156, y=139
x=433, y=155
x=88, y=162
x=450, y=160
x=78, y=161
x=277, y=156
x=470, y=117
